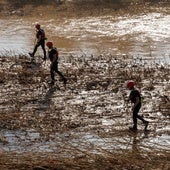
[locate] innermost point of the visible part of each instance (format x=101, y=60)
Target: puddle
x=31, y=140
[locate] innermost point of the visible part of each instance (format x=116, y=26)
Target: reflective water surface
x=143, y=35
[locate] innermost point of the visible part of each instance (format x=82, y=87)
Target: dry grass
x=113, y=162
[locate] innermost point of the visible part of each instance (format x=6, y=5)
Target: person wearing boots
x=53, y=56
x=135, y=98
x=40, y=41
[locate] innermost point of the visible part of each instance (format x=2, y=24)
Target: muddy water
x=143, y=35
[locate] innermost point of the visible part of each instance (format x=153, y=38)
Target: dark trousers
x=55, y=69
x=136, y=116
x=42, y=44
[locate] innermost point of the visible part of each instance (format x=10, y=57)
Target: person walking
x=135, y=98
x=40, y=41
x=53, y=56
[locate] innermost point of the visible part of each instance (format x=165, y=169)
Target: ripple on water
x=144, y=34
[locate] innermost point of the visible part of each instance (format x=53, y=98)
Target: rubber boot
x=134, y=128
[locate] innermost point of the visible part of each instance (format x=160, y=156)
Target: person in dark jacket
x=53, y=56
x=135, y=98
x=40, y=41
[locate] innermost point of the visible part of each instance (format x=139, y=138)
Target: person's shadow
x=48, y=96
x=137, y=140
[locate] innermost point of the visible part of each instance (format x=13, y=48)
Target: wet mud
x=85, y=125
x=88, y=117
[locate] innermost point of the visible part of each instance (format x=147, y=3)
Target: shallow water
x=31, y=140
x=142, y=35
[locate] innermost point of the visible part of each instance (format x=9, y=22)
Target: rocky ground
x=85, y=124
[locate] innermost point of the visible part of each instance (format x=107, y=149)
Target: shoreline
x=72, y=10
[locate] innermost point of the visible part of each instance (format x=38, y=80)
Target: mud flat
x=85, y=125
